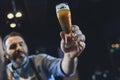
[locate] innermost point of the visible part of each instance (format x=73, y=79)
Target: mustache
x=18, y=54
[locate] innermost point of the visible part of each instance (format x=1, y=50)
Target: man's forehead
x=14, y=39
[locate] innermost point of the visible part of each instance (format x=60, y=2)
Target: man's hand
x=77, y=39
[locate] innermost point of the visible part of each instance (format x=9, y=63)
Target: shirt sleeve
x=53, y=66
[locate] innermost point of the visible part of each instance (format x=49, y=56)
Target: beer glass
x=64, y=17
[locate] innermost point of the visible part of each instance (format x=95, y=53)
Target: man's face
x=16, y=49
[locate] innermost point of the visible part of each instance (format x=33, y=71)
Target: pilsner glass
x=64, y=17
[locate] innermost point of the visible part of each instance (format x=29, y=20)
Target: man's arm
x=69, y=62
x=1, y=51
x=1, y=59
x=69, y=65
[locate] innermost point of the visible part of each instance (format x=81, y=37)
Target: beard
x=19, y=58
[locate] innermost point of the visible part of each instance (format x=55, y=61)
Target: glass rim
x=61, y=6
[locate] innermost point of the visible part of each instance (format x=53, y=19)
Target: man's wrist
x=69, y=57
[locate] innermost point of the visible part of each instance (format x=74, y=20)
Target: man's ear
x=6, y=55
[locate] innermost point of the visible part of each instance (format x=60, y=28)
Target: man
x=42, y=66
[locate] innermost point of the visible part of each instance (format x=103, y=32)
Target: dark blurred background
x=99, y=20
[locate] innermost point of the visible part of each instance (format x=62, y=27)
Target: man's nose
x=18, y=47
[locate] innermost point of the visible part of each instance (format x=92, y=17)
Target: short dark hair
x=10, y=35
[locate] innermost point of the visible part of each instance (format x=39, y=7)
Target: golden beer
x=64, y=17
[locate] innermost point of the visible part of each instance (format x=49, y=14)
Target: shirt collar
x=10, y=66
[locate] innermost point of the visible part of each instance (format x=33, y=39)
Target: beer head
x=62, y=6
x=64, y=17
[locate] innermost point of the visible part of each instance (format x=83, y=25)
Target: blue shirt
x=47, y=66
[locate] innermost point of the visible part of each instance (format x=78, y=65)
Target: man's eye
x=21, y=44
x=13, y=46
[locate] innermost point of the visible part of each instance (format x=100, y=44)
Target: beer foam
x=62, y=6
